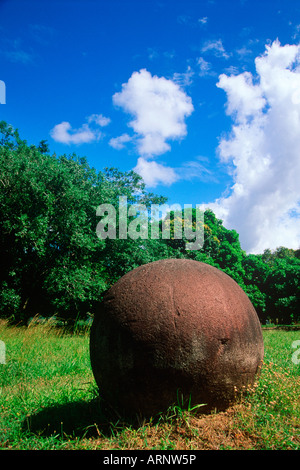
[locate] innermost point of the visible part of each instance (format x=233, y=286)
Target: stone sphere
x=174, y=329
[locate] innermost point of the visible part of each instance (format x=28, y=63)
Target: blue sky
x=199, y=97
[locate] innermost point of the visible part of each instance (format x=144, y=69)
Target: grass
x=48, y=400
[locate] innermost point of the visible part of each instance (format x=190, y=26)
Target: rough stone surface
x=173, y=328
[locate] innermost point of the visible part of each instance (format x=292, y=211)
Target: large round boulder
x=174, y=328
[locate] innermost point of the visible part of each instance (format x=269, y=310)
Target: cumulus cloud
x=154, y=173
x=159, y=108
x=263, y=149
x=244, y=98
x=99, y=119
x=64, y=133
x=118, y=143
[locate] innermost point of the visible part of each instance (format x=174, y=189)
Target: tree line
x=53, y=262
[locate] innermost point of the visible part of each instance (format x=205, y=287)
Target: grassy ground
x=48, y=400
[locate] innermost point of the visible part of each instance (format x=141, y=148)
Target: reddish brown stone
x=173, y=327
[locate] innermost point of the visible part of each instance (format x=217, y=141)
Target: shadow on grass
x=81, y=419
x=91, y=419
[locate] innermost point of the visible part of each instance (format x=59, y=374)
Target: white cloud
x=184, y=79
x=204, y=67
x=64, y=133
x=154, y=173
x=244, y=98
x=264, y=149
x=243, y=52
x=159, y=108
x=195, y=170
x=203, y=20
x=232, y=70
x=99, y=119
x=118, y=143
x=216, y=47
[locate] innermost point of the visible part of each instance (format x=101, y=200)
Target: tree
x=43, y=146
x=256, y=272
x=222, y=248
x=52, y=260
x=282, y=289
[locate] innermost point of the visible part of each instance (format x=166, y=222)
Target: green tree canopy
x=53, y=262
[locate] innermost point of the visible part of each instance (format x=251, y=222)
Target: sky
x=200, y=97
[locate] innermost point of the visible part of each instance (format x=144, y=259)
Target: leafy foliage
x=53, y=263
x=52, y=259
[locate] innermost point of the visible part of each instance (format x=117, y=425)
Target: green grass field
x=48, y=400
